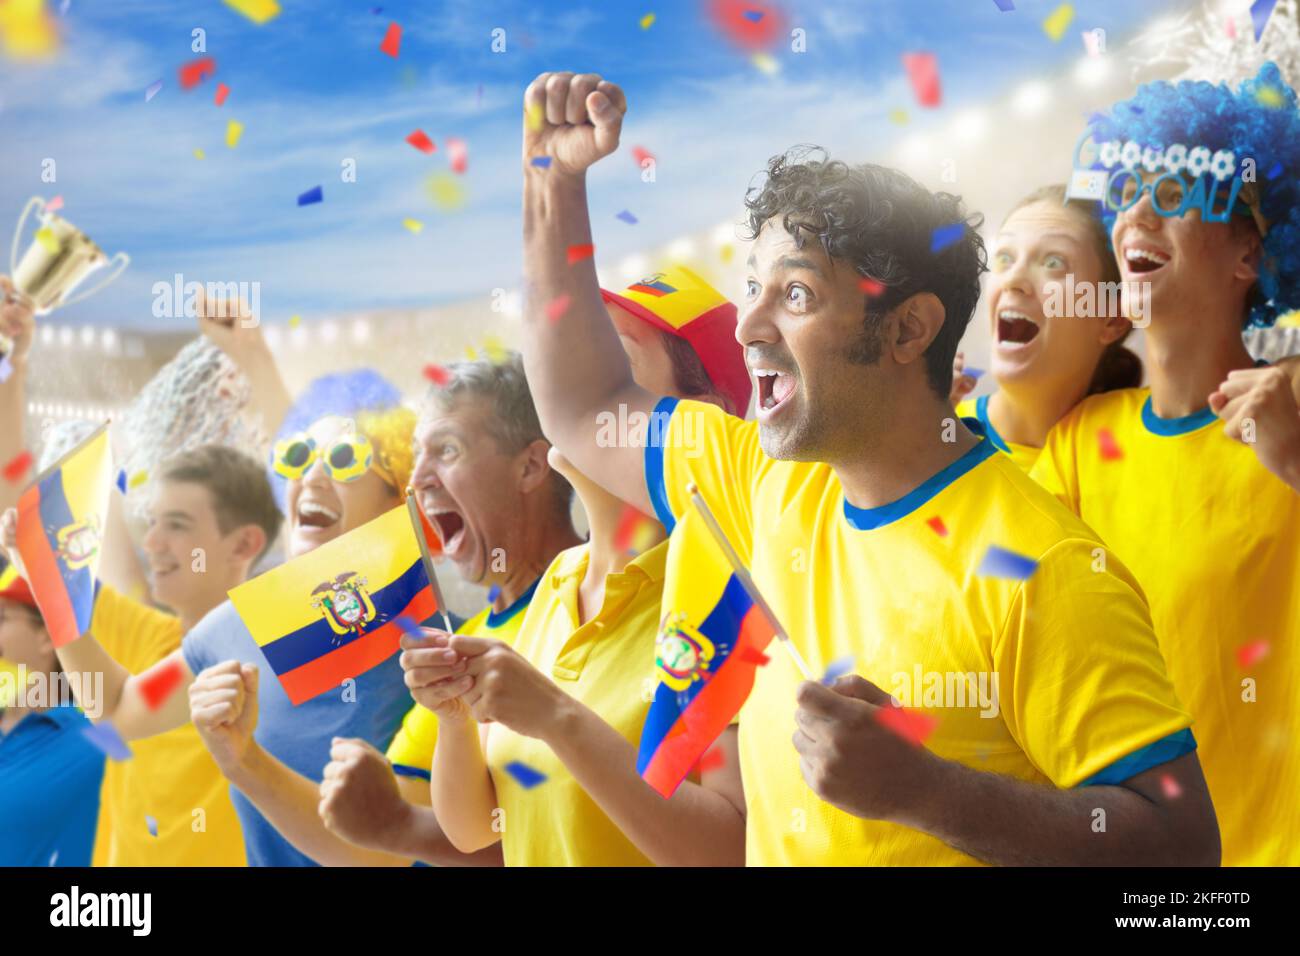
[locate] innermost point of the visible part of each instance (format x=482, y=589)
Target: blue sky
x=312, y=88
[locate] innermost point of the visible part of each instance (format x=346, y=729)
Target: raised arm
x=231, y=326
x=576, y=366
x=18, y=327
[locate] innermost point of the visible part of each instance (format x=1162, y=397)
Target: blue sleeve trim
x=402, y=770
x=1139, y=761
x=656, y=436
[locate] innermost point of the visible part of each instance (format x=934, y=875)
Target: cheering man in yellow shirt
x=878, y=528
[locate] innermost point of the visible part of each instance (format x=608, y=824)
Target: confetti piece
x=936, y=523
x=755, y=657
x=1170, y=787
x=647, y=21
x=157, y=685
x=945, y=236
x=138, y=479
x=837, y=669
x=627, y=217
x=753, y=16
x=744, y=23
x=912, y=725
x=542, y=161
x=1230, y=27
x=1001, y=563
x=107, y=739
x=458, y=153
x=726, y=252
x=534, y=115
x=1269, y=96
x=525, y=775
x=408, y=625
x=1275, y=171
x=972, y=371
x=437, y=375
x=1058, y=21
x=1110, y=450
x=578, y=253
x=766, y=63
x=194, y=72
x=6, y=369
x=899, y=117
x=923, y=71
x=420, y=140
x=199, y=154
x=871, y=287
x=18, y=466
x=46, y=237
x=259, y=11
x=635, y=531
x=1250, y=654
x=557, y=307
x=152, y=90
x=392, y=40
x=222, y=92
x=414, y=225
x=57, y=203
x=496, y=350
x=712, y=759
x=121, y=480
x=295, y=321
x=641, y=154
x=152, y=825
x=1260, y=11
x=494, y=592
x=1006, y=6
x=313, y=195
x=234, y=130
x=446, y=192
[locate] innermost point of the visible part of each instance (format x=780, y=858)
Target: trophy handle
x=125, y=261
x=22, y=221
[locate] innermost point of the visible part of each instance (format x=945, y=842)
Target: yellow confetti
x=234, y=130
x=199, y=154
x=470, y=353
x=138, y=479
x=647, y=21
x=413, y=224
x=726, y=252
x=445, y=191
x=1058, y=21
x=259, y=11
x=29, y=32
x=1269, y=96
x=766, y=63
x=496, y=350
x=899, y=117
x=294, y=320
x=534, y=115
x=46, y=237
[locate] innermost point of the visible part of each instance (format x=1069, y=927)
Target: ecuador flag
x=60, y=523
x=712, y=636
x=333, y=613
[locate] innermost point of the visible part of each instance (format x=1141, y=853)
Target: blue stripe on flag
x=56, y=514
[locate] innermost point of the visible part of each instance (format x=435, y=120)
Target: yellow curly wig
x=392, y=434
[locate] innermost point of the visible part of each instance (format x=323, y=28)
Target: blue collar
x=1174, y=426
x=865, y=519
x=982, y=413
x=495, y=619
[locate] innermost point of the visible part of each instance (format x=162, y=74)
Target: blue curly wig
x=1260, y=122
x=343, y=393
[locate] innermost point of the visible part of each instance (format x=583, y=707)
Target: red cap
x=15, y=588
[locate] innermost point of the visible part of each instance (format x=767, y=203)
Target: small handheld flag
x=60, y=527
x=421, y=525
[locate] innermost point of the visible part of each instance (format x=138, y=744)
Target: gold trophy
x=56, y=262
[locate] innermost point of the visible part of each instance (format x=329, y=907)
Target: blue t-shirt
x=299, y=737
x=49, y=790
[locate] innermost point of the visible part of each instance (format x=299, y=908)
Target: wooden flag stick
x=417, y=522
x=742, y=575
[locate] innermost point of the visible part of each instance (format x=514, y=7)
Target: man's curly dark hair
x=883, y=223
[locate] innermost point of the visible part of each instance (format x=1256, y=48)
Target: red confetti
x=18, y=466
x=871, y=287
x=1110, y=450
x=748, y=32
x=712, y=759
x=159, y=684
x=641, y=154
x=923, y=70
x=459, y=154
x=392, y=40
x=193, y=73
x=912, y=725
x=222, y=92
x=1170, y=787
x=1252, y=653
x=53, y=204
x=420, y=140
x=437, y=375
x=937, y=524
x=558, y=307
x=578, y=253
x=752, y=656
x=629, y=523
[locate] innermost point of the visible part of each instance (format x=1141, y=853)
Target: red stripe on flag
x=356, y=657
x=43, y=573
x=713, y=708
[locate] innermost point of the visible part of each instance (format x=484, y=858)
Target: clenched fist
x=573, y=118
x=359, y=799
x=223, y=706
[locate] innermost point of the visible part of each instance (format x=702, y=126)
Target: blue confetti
x=1260, y=11
x=1276, y=171
x=6, y=368
x=945, y=236
x=121, y=480
x=152, y=824
x=106, y=738
x=753, y=16
x=152, y=90
x=1001, y=563
x=525, y=775
x=408, y=625
x=627, y=217
x=312, y=195
x=973, y=372
x=542, y=161
x=494, y=592
x=1006, y=6
x=837, y=669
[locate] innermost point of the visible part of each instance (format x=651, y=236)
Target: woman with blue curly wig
x=1181, y=479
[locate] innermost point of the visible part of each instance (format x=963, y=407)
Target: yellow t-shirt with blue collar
x=1082, y=692
x=978, y=408
x=1214, y=539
